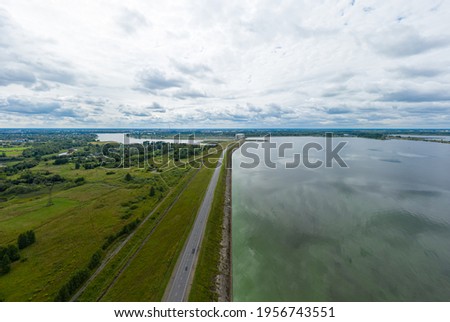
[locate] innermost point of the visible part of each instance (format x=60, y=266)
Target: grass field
x=147, y=276
x=12, y=151
x=99, y=285
x=74, y=221
x=73, y=228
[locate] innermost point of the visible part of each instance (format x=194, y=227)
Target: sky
x=225, y=64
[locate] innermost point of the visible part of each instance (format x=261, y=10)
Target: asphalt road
x=181, y=280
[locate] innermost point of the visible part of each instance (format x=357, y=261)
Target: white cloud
x=225, y=63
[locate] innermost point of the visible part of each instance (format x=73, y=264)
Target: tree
x=72, y=285
x=152, y=191
x=63, y=294
x=61, y=161
x=128, y=177
x=95, y=260
x=13, y=253
x=5, y=265
x=22, y=241
x=31, y=237
x=26, y=239
x=77, y=165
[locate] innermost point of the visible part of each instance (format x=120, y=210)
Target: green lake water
x=378, y=230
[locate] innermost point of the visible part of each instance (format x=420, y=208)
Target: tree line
x=81, y=276
x=11, y=254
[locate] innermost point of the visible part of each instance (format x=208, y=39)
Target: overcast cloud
x=347, y=63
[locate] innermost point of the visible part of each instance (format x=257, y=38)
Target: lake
x=378, y=230
x=119, y=138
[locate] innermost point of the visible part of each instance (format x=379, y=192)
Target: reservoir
x=377, y=230
x=120, y=138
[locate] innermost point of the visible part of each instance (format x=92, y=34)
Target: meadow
x=72, y=219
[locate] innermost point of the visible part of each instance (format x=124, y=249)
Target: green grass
x=81, y=217
x=72, y=229
x=13, y=151
x=148, y=274
x=203, y=286
x=103, y=280
x=30, y=215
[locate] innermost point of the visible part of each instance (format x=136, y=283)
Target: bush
x=56, y=178
x=80, y=180
x=61, y=161
x=26, y=239
x=5, y=265
x=13, y=253
x=128, y=177
x=95, y=260
x=21, y=189
x=128, y=228
x=72, y=285
x=109, y=240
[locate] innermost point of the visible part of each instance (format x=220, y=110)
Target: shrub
x=72, y=285
x=79, y=180
x=21, y=189
x=13, y=253
x=5, y=265
x=26, y=239
x=95, y=260
x=109, y=240
x=61, y=161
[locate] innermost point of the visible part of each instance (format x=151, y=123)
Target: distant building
x=69, y=152
x=239, y=136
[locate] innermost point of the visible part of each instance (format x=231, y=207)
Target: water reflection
x=376, y=231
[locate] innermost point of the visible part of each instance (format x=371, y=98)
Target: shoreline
x=224, y=280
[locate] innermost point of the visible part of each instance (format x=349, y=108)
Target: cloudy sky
x=205, y=64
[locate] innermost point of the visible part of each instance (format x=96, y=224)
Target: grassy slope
x=208, y=262
x=147, y=276
x=69, y=231
x=103, y=280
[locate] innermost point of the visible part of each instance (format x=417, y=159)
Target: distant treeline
x=365, y=133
